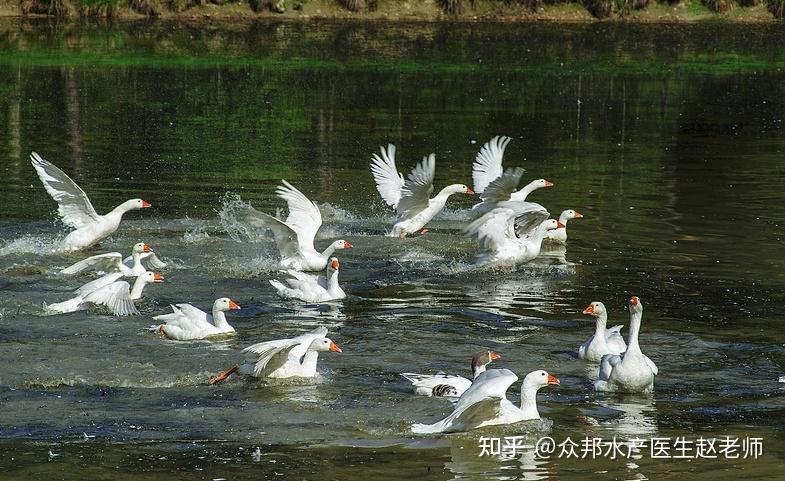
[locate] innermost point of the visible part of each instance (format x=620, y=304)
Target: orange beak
x=552, y=380
x=334, y=347
x=469, y=191
x=335, y=264
x=146, y=204
x=495, y=356
x=146, y=248
x=158, y=277
x=348, y=244
x=589, y=310
x=548, y=183
x=634, y=300
x=578, y=215
x=233, y=305
x=559, y=225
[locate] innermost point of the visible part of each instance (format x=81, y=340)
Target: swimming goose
x=76, y=210
x=632, y=371
x=118, y=296
x=511, y=233
x=495, y=184
x=485, y=402
x=559, y=235
x=604, y=341
x=283, y=358
x=311, y=288
x=113, y=262
x=295, y=236
x=410, y=198
x=449, y=385
x=187, y=322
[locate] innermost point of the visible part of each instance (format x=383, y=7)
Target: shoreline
x=427, y=11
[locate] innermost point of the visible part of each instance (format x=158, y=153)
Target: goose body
x=485, y=403
x=604, y=340
x=284, y=358
x=449, y=385
x=511, y=233
x=76, y=210
x=187, y=322
x=632, y=371
x=559, y=236
x=411, y=197
x=295, y=236
x=493, y=183
x=310, y=288
x=117, y=295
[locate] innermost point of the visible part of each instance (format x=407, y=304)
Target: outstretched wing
x=416, y=192
x=116, y=296
x=285, y=237
x=96, y=284
x=101, y=262
x=152, y=260
x=500, y=189
x=304, y=216
x=487, y=165
x=493, y=229
x=73, y=205
x=528, y=216
x=389, y=182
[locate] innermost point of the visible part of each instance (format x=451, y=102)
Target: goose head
x=141, y=247
x=550, y=224
x=333, y=265
x=596, y=309
x=225, y=304
x=570, y=214
x=342, y=244
x=482, y=359
x=539, y=184
x=539, y=379
x=136, y=204
x=324, y=344
x=150, y=276
x=636, y=307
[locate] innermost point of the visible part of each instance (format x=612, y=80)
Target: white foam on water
x=30, y=244
x=233, y=207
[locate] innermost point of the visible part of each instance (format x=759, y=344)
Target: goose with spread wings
x=187, y=322
x=411, y=197
x=76, y=210
x=295, y=236
x=117, y=295
x=493, y=183
x=511, y=233
x=485, y=403
x=130, y=266
x=283, y=358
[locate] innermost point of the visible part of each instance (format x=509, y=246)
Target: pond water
x=669, y=139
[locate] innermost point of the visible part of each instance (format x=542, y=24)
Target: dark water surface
x=669, y=139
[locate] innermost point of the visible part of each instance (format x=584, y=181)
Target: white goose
x=410, y=198
x=311, y=288
x=632, y=371
x=485, y=402
x=114, y=262
x=604, y=341
x=559, y=235
x=450, y=385
x=187, y=322
x=493, y=183
x=511, y=233
x=284, y=358
x=295, y=236
x=76, y=210
x=118, y=296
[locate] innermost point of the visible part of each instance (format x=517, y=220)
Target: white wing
x=487, y=165
x=416, y=192
x=304, y=216
x=194, y=313
x=101, y=262
x=651, y=364
x=116, y=296
x=389, y=182
x=96, y=284
x=503, y=186
x=153, y=262
x=73, y=205
x=493, y=229
x=528, y=216
x=285, y=237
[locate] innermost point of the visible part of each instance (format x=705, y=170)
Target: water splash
x=233, y=209
x=30, y=244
